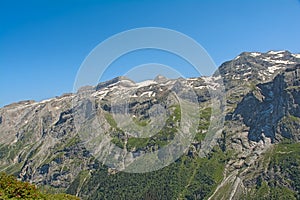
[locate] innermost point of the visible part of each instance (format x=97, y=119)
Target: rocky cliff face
x=40, y=141
x=266, y=115
x=264, y=109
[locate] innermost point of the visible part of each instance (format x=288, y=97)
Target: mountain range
x=240, y=128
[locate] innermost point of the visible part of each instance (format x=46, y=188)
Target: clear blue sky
x=43, y=43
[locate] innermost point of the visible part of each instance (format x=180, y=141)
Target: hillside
x=10, y=188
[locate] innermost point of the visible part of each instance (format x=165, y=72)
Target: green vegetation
x=294, y=118
x=265, y=192
x=204, y=123
x=110, y=119
x=162, y=137
x=11, y=188
x=141, y=122
x=283, y=164
x=118, y=135
x=190, y=177
x=117, y=141
x=137, y=143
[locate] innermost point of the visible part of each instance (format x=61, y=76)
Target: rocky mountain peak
x=114, y=81
x=256, y=67
x=160, y=79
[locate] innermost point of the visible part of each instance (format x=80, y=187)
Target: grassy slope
x=11, y=188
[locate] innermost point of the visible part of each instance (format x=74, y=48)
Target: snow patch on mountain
x=255, y=54
x=275, y=52
x=273, y=68
x=296, y=55
x=145, y=83
x=286, y=62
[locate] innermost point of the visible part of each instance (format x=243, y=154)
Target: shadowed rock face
x=263, y=109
